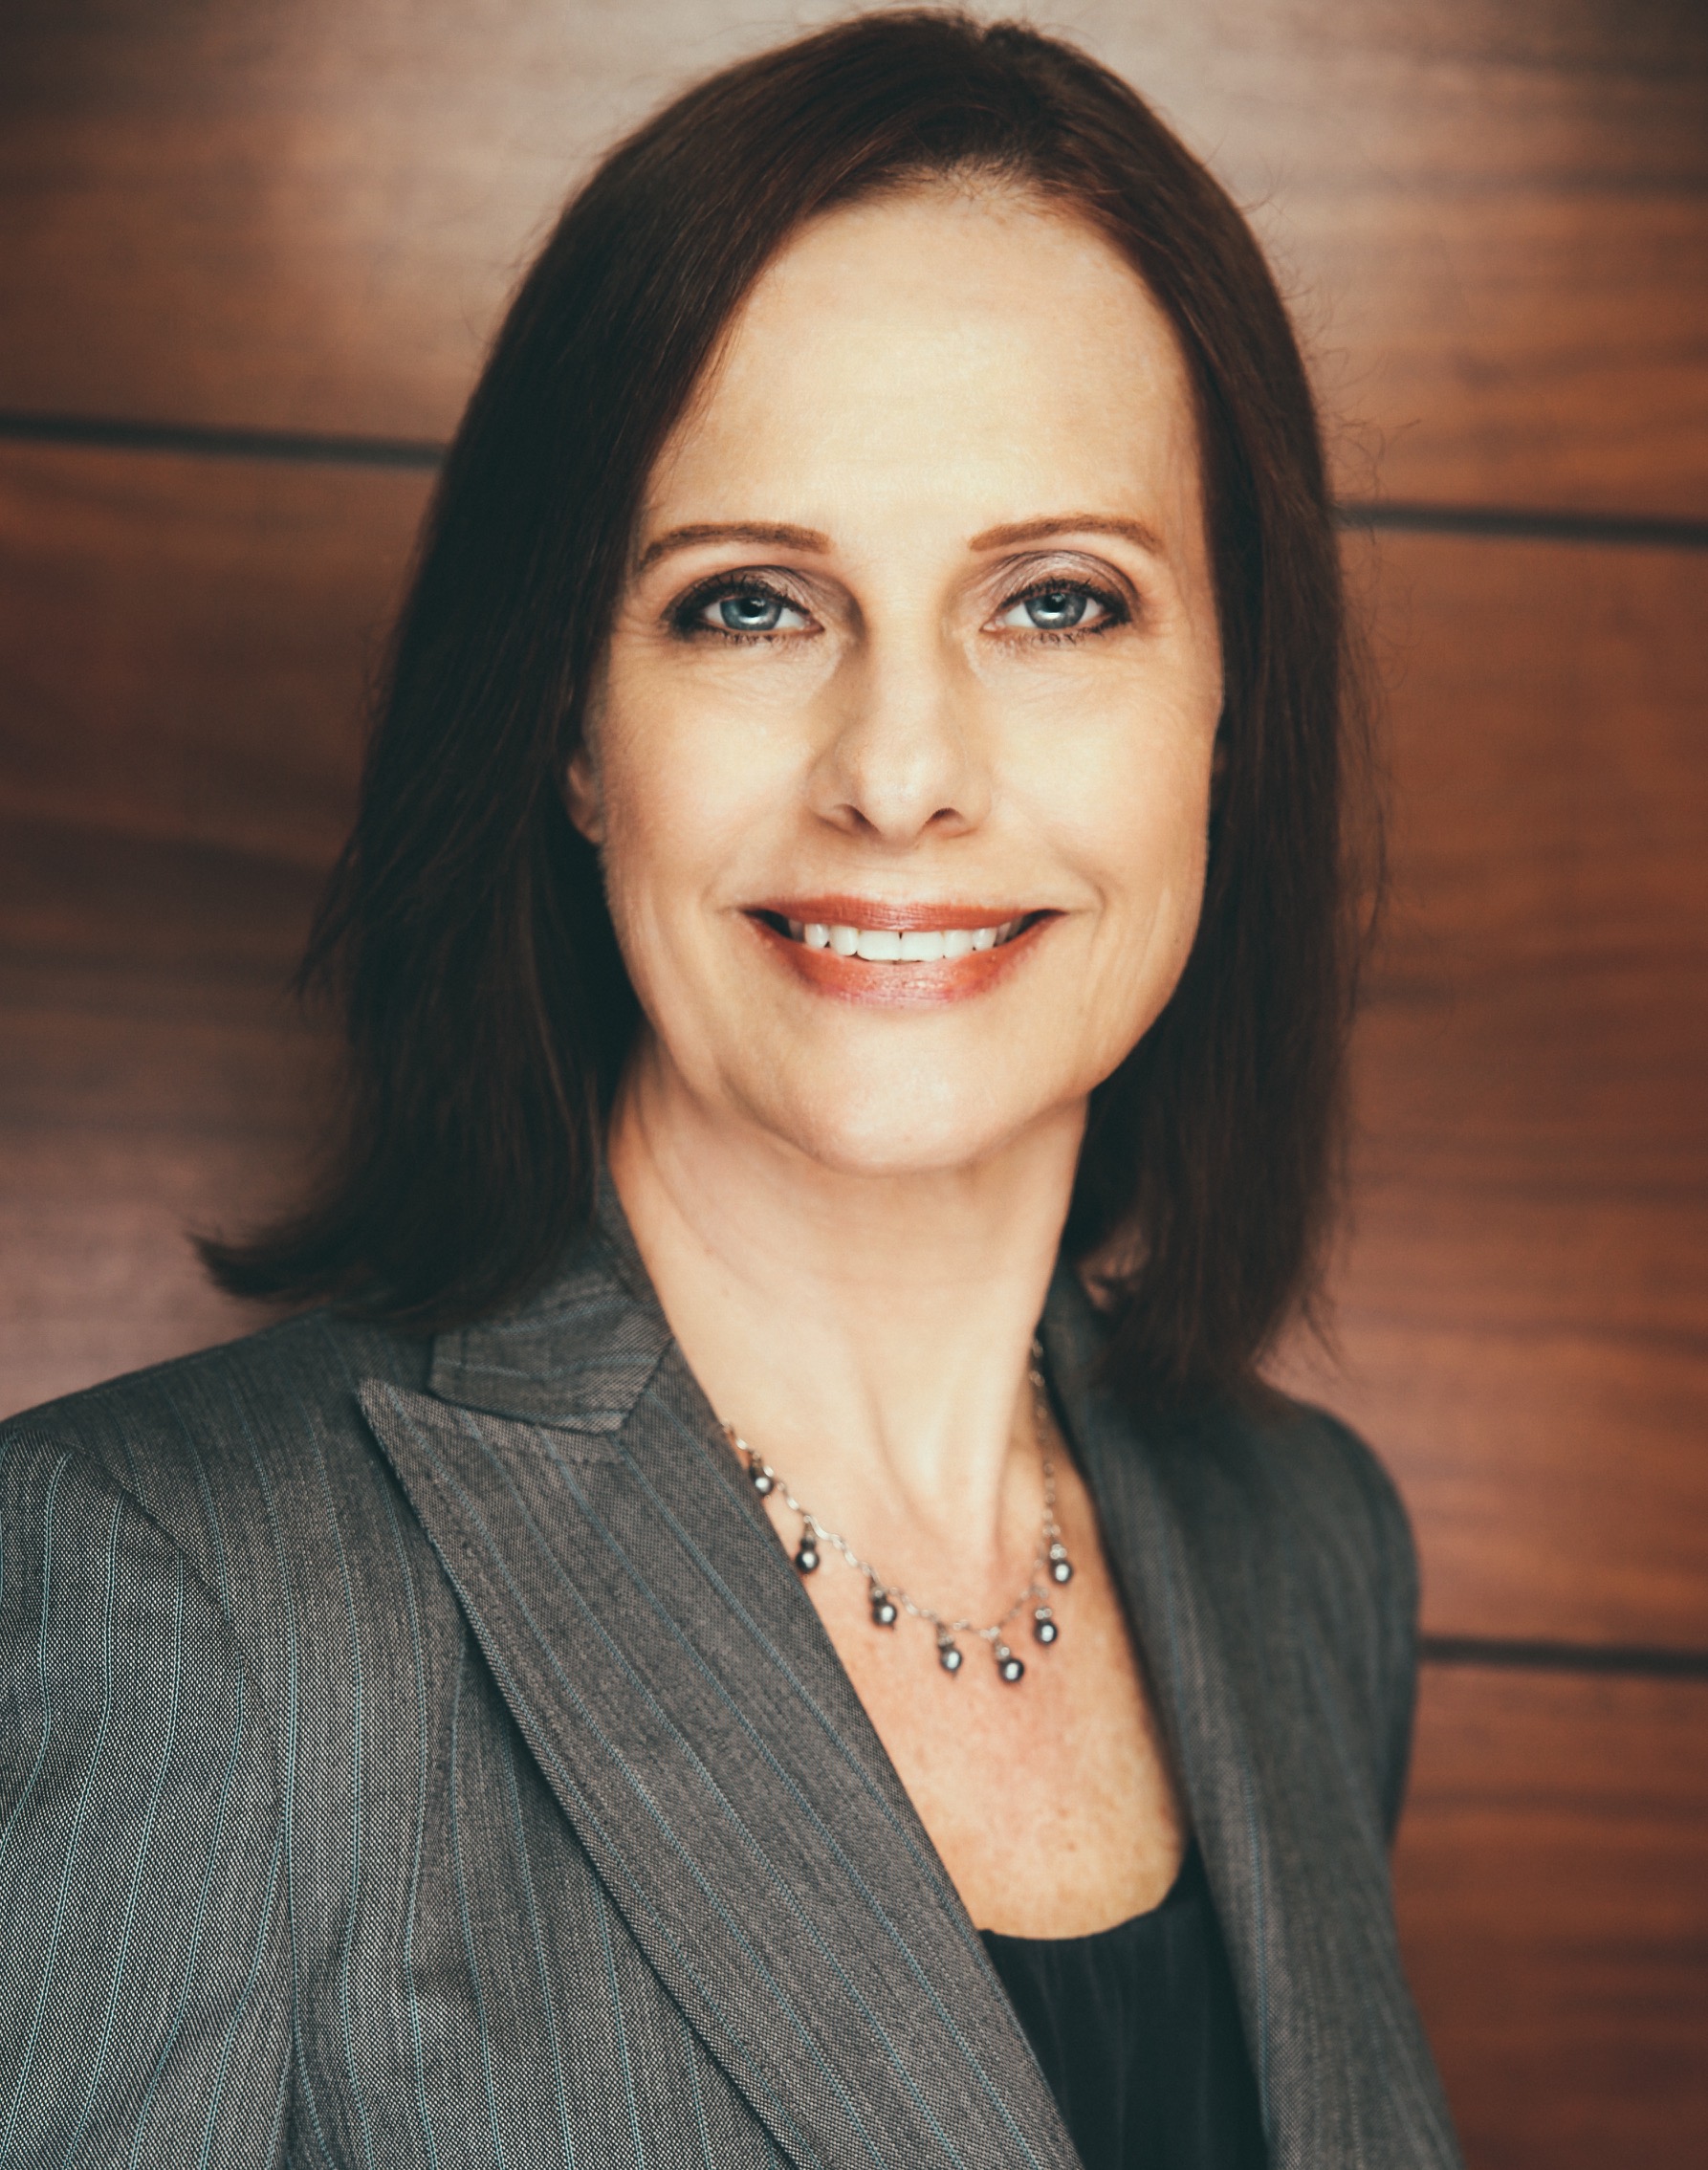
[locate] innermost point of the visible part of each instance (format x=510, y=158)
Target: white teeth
x=882, y=944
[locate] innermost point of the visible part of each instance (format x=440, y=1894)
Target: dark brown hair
x=465, y=933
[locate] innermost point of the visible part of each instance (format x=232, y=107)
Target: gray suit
x=423, y=1753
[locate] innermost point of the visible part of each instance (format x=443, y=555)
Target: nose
x=903, y=757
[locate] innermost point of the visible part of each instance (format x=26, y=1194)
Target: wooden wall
x=250, y=254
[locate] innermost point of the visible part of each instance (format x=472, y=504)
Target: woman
x=842, y=950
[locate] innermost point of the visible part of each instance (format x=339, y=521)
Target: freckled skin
x=852, y=1207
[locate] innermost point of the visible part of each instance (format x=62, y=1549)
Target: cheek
x=685, y=792
x=1134, y=813
x=1141, y=841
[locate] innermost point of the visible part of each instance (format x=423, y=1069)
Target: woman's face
x=900, y=762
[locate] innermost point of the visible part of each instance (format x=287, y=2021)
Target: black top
x=1138, y=2033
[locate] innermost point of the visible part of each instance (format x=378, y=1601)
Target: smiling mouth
x=891, y=945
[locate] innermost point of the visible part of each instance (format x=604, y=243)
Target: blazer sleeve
x=144, y=1957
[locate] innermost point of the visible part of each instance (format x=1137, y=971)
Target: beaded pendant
x=1051, y=1567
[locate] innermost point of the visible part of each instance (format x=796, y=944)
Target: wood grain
x=184, y=643
x=1552, y=1885
x=1492, y=214
x=154, y=1078
x=1523, y=1297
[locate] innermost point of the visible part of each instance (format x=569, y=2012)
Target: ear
x=582, y=797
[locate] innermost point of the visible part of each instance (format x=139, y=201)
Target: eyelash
x=685, y=619
x=1113, y=604
x=686, y=622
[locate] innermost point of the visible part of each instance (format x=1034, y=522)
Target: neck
x=867, y=1334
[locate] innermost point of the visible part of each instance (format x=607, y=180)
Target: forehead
x=955, y=340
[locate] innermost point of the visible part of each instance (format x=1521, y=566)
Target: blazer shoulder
x=137, y=1765
x=1357, y=1495
x=1377, y=1532
x=1298, y=1479
x=1288, y=1506
x=232, y=1439
x=1349, y=1484
x=304, y=1369
x=1259, y=1483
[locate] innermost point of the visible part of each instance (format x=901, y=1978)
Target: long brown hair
x=465, y=933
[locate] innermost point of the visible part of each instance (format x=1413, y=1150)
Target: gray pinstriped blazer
x=423, y=1753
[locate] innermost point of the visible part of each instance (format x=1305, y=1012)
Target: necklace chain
x=1051, y=1567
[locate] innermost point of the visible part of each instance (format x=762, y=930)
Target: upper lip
x=876, y=914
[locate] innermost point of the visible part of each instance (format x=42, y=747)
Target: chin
x=852, y=1128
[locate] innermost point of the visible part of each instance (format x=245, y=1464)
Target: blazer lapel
x=1292, y=1844
x=671, y=1679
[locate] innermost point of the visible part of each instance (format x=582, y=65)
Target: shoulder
x=1266, y=1494
x=1292, y=1493
x=231, y=1434
x=140, y=1784
x=299, y=1370
x=1300, y=1539
x=253, y=1466
x=243, y=1485
x=1287, y=1504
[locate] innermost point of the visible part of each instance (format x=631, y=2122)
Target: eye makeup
x=686, y=618
x=1113, y=606
x=1021, y=579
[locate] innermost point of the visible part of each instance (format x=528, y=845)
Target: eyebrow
x=779, y=534
x=1066, y=523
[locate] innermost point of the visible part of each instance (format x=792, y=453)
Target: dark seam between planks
x=1524, y=1657
x=1524, y=524
x=291, y=445
x=1396, y=515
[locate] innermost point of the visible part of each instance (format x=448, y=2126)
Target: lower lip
x=903, y=986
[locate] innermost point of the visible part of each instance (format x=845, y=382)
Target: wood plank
x=1481, y=211
x=184, y=641
x=1552, y=1885
x=1524, y=1295
x=1492, y=214
x=1554, y=1477
x=1544, y=708
x=153, y=1079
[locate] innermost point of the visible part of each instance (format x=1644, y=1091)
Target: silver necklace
x=1051, y=1567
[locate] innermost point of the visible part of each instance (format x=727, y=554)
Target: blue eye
x=1066, y=606
x=1052, y=610
x=750, y=612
